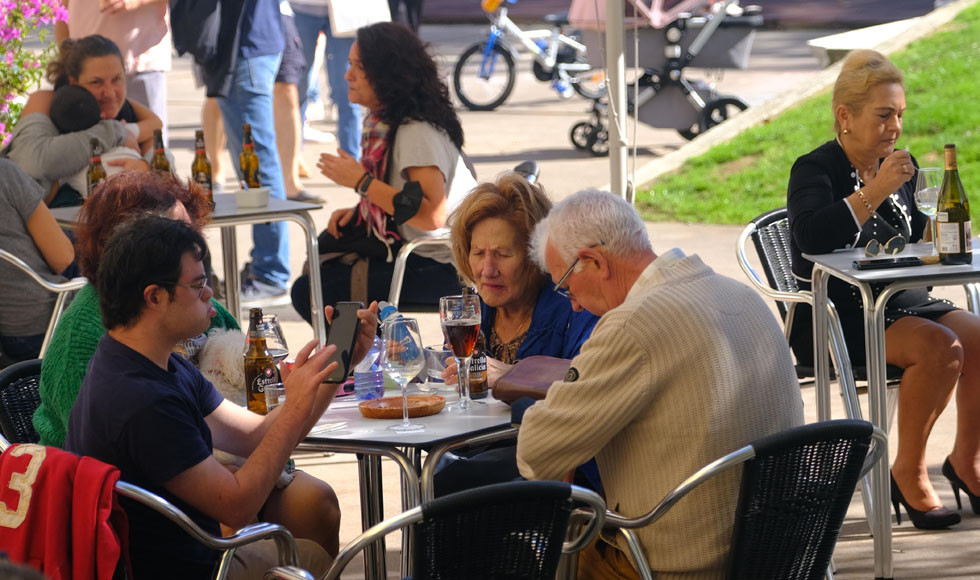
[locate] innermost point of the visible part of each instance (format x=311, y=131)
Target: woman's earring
x=846, y=131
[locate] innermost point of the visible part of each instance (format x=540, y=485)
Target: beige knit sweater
x=690, y=367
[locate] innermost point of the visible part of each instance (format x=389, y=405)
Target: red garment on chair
x=59, y=514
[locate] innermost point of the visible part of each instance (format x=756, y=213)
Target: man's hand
x=303, y=382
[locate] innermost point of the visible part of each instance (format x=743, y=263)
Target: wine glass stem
x=464, y=382
x=404, y=387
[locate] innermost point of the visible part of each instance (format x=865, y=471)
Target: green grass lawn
x=736, y=181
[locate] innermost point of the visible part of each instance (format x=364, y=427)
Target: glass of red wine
x=460, y=318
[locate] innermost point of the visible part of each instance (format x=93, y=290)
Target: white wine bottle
x=953, y=216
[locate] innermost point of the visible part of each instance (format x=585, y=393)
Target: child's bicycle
x=485, y=72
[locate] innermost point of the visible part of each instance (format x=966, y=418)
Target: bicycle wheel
x=483, y=84
x=720, y=110
x=591, y=84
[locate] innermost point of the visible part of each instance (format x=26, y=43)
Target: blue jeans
x=250, y=101
x=348, y=114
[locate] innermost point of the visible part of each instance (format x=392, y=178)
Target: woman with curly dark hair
x=411, y=175
x=121, y=198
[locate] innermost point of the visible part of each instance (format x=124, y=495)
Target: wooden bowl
x=391, y=407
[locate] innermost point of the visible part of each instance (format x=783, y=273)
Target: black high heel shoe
x=957, y=483
x=936, y=519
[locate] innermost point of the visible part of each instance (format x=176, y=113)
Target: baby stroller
x=702, y=33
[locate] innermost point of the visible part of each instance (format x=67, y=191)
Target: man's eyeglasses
x=197, y=287
x=560, y=284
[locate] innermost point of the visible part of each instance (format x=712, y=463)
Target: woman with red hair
x=122, y=197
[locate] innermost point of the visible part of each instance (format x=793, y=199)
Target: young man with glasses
x=683, y=367
x=151, y=413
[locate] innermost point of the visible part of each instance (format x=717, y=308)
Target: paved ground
x=534, y=124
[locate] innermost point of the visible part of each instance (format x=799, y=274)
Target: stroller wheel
x=719, y=110
x=581, y=134
x=689, y=133
x=599, y=144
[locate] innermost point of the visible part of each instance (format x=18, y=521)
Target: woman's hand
x=129, y=164
x=895, y=170
x=495, y=370
x=342, y=169
x=339, y=219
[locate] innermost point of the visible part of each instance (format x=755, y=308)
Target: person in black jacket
x=856, y=189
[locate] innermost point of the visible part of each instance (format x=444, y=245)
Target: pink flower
x=10, y=58
x=61, y=13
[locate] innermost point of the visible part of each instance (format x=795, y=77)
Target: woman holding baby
x=52, y=157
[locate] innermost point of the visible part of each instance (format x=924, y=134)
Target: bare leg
x=214, y=138
x=308, y=507
x=932, y=357
x=965, y=456
x=288, y=134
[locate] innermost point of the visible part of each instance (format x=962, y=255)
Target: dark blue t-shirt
x=262, y=33
x=150, y=424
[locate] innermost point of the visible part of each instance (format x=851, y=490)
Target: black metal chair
x=770, y=235
x=506, y=531
x=19, y=399
x=795, y=490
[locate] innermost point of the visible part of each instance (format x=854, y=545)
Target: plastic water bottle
x=387, y=310
x=369, y=381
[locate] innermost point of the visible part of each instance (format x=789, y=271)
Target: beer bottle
x=248, y=160
x=478, y=369
x=96, y=172
x=201, y=167
x=159, y=160
x=260, y=366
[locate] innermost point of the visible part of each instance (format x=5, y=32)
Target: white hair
x=588, y=218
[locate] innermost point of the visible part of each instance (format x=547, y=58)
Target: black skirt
x=915, y=302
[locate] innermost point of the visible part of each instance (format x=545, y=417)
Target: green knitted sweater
x=74, y=342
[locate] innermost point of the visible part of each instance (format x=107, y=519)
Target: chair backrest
x=19, y=398
x=793, y=497
x=401, y=263
x=510, y=532
x=506, y=531
x=771, y=239
x=61, y=289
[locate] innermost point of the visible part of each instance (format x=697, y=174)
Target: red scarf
x=374, y=159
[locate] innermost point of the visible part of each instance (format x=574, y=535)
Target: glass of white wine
x=927, y=186
x=403, y=360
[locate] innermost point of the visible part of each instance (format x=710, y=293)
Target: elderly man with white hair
x=684, y=365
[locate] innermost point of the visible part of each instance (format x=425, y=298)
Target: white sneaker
x=317, y=136
x=315, y=111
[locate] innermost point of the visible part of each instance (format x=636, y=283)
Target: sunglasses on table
x=894, y=245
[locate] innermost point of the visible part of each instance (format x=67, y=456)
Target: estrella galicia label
x=572, y=375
